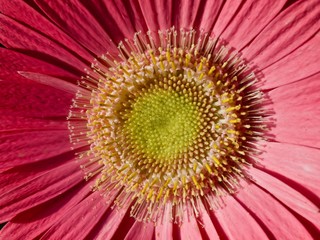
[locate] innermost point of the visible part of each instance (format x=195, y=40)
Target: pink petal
x=207, y=15
x=285, y=33
x=80, y=24
x=185, y=13
x=189, y=228
x=22, y=174
x=276, y=217
x=207, y=222
x=298, y=163
x=21, y=148
x=33, y=100
x=38, y=219
x=22, y=12
x=164, y=228
x=240, y=21
x=39, y=190
x=52, y=82
x=16, y=35
x=80, y=220
x=301, y=63
x=297, y=112
x=237, y=223
x=157, y=14
x=126, y=14
x=12, y=62
x=141, y=230
x=110, y=224
x=287, y=195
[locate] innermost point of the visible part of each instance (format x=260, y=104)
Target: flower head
x=165, y=120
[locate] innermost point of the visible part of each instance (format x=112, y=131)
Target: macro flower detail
x=159, y=120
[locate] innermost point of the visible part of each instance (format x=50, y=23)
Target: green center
x=163, y=124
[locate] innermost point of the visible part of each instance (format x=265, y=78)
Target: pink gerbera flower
x=160, y=119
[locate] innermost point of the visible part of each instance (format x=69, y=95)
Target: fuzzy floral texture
x=47, y=45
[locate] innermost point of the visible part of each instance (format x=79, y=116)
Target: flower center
x=169, y=121
x=162, y=124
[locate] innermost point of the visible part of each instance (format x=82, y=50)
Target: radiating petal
x=297, y=163
x=301, y=63
x=300, y=124
x=287, y=195
x=141, y=230
x=16, y=35
x=38, y=219
x=21, y=11
x=240, y=21
x=273, y=214
x=79, y=220
x=41, y=189
x=189, y=228
x=79, y=23
x=12, y=62
x=21, y=148
x=164, y=228
x=289, y=30
x=237, y=223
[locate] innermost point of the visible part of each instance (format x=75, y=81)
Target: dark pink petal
x=301, y=63
x=157, y=14
x=12, y=62
x=22, y=12
x=185, y=13
x=21, y=148
x=207, y=15
x=297, y=112
x=274, y=215
x=80, y=220
x=110, y=223
x=16, y=35
x=207, y=222
x=237, y=223
x=22, y=174
x=38, y=219
x=14, y=124
x=29, y=99
x=297, y=163
x=79, y=23
x=287, y=195
x=41, y=189
x=122, y=16
x=240, y=21
x=164, y=228
x=141, y=230
x=189, y=228
x=52, y=82
x=285, y=33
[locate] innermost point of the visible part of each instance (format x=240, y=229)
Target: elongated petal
x=16, y=35
x=21, y=11
x=38, y=219
x=274, y=215
x=79, y=220
x=21, y=148
x=79, y=23
x=141, y=230
x=287, y=31
x=39, y=190
x=299, y=125
x=301, y=63
x=289, y=196
x=297, y=163
x=240, y=21
x=237, y=223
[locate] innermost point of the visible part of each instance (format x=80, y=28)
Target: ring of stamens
x=170, y=124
